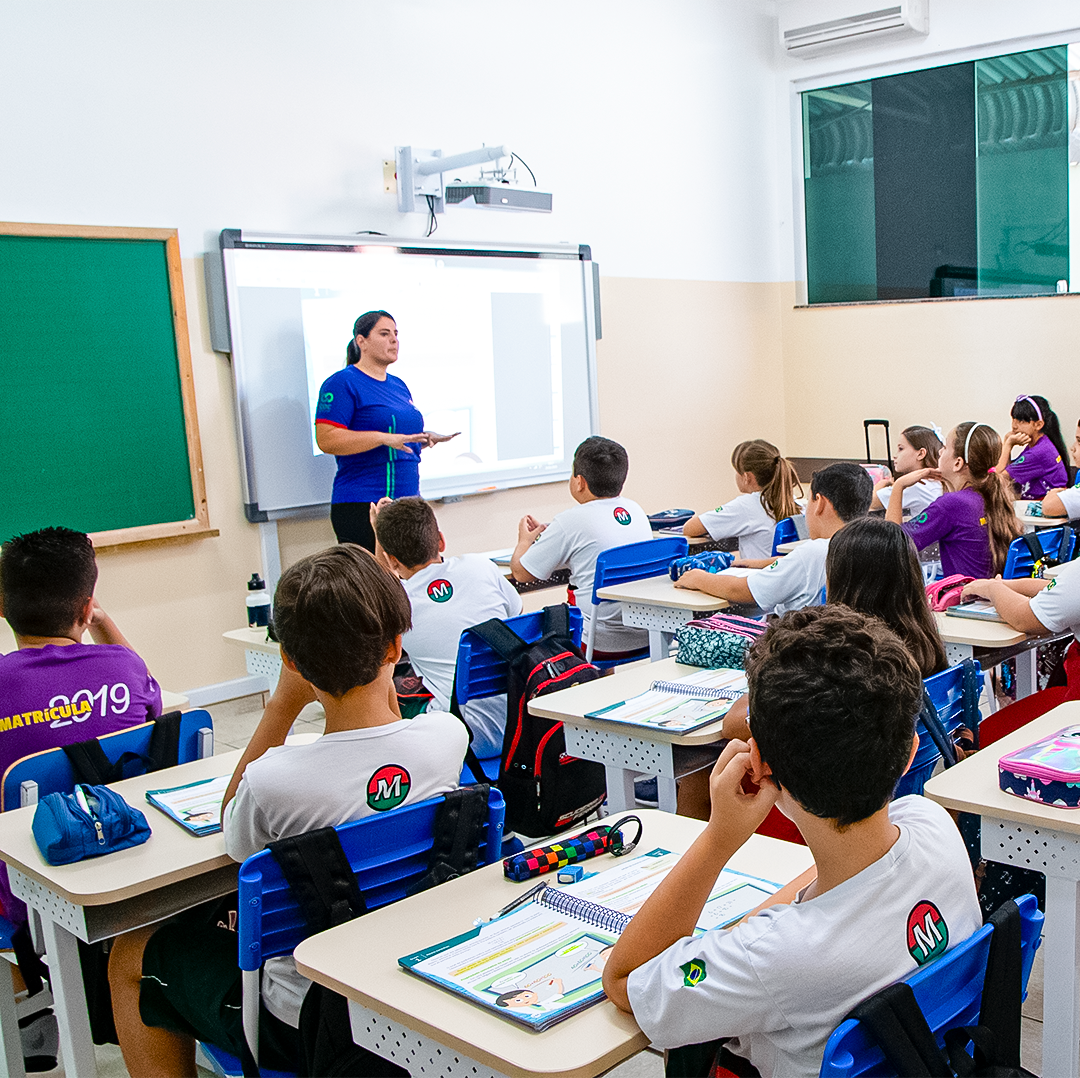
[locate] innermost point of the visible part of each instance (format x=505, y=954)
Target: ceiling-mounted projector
x=500, y=196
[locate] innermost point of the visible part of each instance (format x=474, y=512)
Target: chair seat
x=228, y=1065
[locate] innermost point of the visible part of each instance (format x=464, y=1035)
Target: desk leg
x=620, y=789
x=1061, y=977
x=11, y=1056
x=659, y=644
x=69, y=1000
x=1027, y=673
x=667, y=794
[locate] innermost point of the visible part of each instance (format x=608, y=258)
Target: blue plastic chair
x=388, y=852
x=956, y=700
x=948, y=991
x=481, y=672
x=1058, y=543
x=788, y=530
x=620, y=565
x=50, y=771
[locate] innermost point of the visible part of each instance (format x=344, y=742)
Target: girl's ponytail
x=774, y=474
x=980, y=448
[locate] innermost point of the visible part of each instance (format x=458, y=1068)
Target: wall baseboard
x=227, y=690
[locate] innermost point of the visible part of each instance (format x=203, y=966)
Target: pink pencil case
x=1047, y=771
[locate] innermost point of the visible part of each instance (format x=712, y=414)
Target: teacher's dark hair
x=362, y=327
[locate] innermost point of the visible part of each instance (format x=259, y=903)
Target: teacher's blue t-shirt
x=356, y=401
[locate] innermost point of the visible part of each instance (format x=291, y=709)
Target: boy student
x=838, y=494
x=339, y=616
x=56, y=690
x=447, y=595
x=602, y=519
x=834, y=695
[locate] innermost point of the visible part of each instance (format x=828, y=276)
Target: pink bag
x=942, y=594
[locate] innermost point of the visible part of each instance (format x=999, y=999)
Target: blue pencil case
x=712, y=561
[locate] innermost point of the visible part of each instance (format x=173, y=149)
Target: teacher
x=366, y=418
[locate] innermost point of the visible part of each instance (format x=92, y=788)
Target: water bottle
x=258, y=603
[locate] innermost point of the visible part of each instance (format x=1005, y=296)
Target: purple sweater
x=1038, y=468
x=957, y=522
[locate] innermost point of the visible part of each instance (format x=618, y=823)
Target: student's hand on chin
x=739, y=805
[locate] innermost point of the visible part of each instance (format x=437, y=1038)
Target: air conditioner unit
x=811, y=27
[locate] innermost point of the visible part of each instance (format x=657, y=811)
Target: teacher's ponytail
x=362, y=327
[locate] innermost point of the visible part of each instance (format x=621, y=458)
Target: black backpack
x=545, y=790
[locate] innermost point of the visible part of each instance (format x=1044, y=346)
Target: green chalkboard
x=97, y=413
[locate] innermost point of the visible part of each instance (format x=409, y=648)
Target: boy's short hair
x=46, y=578
x=603, y=465
x=833, y=697
x=407, y=530
x=335, y=615
x=848, y=486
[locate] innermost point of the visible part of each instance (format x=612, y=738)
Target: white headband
x=967, y=440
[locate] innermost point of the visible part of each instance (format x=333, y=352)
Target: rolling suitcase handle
x=867, y=424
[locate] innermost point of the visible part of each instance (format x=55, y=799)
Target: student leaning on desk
x=340, y=617
x=1065, y=501
x=834, y=698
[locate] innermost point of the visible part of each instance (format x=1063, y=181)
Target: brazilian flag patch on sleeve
x=693, y=972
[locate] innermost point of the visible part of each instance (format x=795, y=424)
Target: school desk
x=787, y=548
x=428, y=1030
x=101, y=897
x=173, y=701
x=1031, y=522
x=657, y=605
x=627, y=751
x=261, y=655
x=1016, y=831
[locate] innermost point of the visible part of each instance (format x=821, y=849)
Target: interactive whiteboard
x=496, y=341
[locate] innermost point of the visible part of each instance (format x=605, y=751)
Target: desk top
x=972, y=785
x=570, y=705
x=661, y=591
x=1025, y=517
x=253, y=640
x=979, y=634
x=170, y=855
x=359, y=960
x=787, y=548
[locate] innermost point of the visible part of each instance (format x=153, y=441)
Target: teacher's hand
x=434, y=439
x=399, y=441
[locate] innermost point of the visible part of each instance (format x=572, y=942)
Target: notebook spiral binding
x=697, y=690
x=590, y=913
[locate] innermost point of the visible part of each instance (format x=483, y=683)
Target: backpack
x=942, y=594
x=545, y=789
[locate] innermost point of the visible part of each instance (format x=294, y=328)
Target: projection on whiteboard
x=496, y=347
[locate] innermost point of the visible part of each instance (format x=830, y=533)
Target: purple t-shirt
x=1038, y=468
x=957, y=522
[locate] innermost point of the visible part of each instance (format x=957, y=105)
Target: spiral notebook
x=681, y=705
x=543, y=962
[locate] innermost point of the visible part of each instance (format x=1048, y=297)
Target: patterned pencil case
x=712, y=561
x=530, y=863
x=1047, y=771
x=720, y=641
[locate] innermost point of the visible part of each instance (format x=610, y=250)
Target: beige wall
x=943, y=361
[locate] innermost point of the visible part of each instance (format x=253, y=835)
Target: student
x=340, y=617
x=447, y=595
x=838, y=494
x=1035, y=606
x=1065, y=501
x=872, y=567
x=602, y=519
x=974, y=522
x=1040, y=465
x=833, y=697
x=917, y=447
x=56, y=690
x=766, y=483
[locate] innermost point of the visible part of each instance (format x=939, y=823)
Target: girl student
x=917, y=447
x=872, y=567
x=974, y=521
x=1065, y=501
x=766, y=483
x=1040, y=465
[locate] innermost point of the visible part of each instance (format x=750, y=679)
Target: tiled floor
x=234, y=723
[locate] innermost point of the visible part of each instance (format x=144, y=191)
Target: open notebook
x=680, y=705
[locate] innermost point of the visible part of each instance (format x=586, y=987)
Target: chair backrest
x=387, y=851
x=953, y=697
x=1056, y=542
x=948, y=991
x=784, y=532
x=52, y=772
x=482, y=672
x=636, y=561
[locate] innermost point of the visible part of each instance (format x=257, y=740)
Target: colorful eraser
x=571, y=873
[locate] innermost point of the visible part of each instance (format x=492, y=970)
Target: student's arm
x=693, y=527
x=895, y=509
x=733, y=588
x=875, y=501
x=1011, y=599
x=339, y=442
x=373, y=514
x=752, y=563
x=289, y=698
x=529, y=529
x=1052, y=505
x=672, y=910
x=1013, y=438
x=103, y=629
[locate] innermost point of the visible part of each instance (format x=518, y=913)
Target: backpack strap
x=971, y=686
x=471, y=759
x=938, y=734
x=459, y=826
x=1002, y=991
x=164, y=750
x=322, y=881
x=893, y=1018
x=92, y=766
x=499, y=637
x=557, y=620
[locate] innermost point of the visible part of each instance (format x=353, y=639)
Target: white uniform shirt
x=1057, y=606
x=446, y=598
x=784, y=980
x=793, y=581
x=744, y=518
x=574, y=539
x=1070, y=499
x=344, y=776
x=916, y=498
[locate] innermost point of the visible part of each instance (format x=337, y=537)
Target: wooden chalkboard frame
x=199, y=525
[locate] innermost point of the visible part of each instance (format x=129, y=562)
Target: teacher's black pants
x=352, y=523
